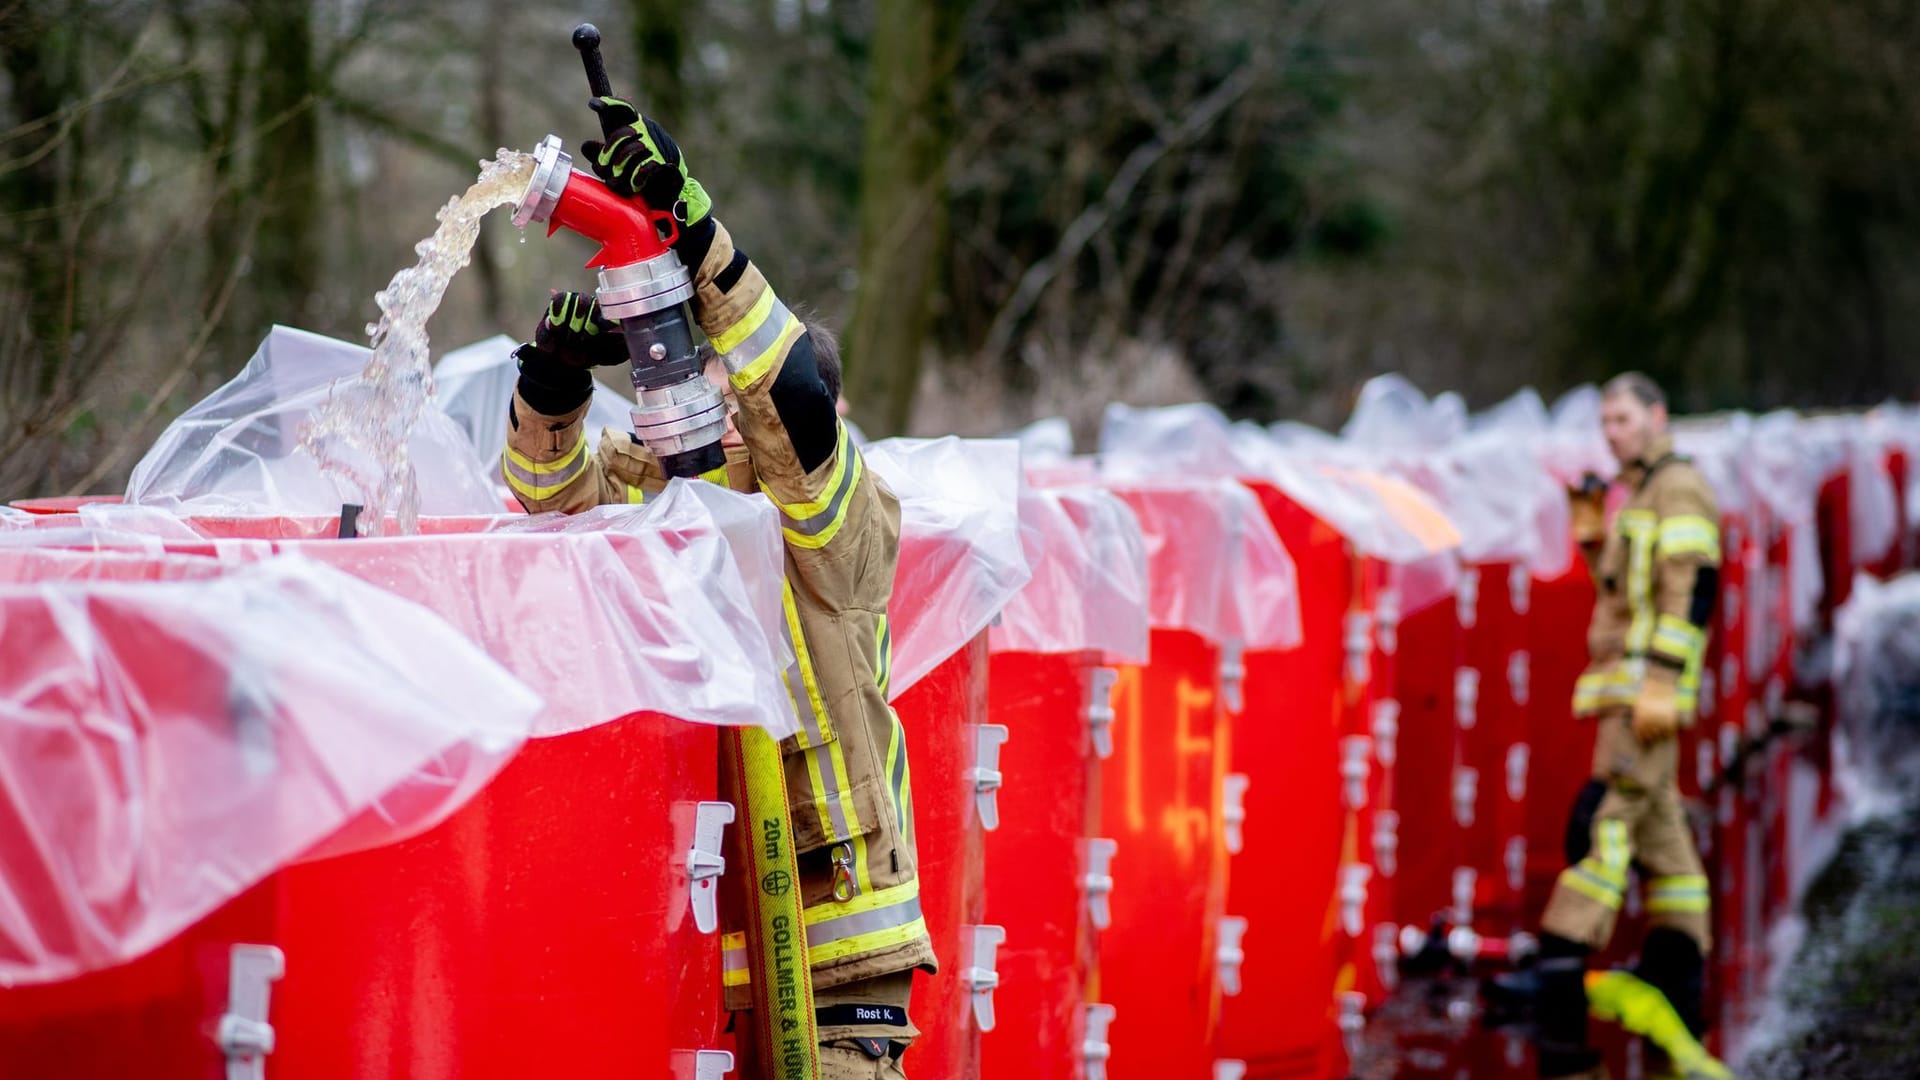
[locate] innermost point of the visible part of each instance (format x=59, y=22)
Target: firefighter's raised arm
x=801, y=452
x=547, y=462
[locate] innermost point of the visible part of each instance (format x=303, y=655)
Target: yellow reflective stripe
x=1596, y=690
x=733, y=959
x=826, y=763
x=815, y=725
x=897, y=770
x=635, y=495
x=869, y=922
x=1573, y=877
x=1678, y=639
x=1639, y=527
x=1680, y=893
x=814, y=524
x=1690, y=534
x=763, y=349
x=1610, y=836
x=539, y=480
x=716, y=475
x=883, y=654
x=729, y=339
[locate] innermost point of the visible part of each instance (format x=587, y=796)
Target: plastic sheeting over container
x=1088, y=591
x=165, y=746
x=962, y=557
x=474, y=388
x=238, y=451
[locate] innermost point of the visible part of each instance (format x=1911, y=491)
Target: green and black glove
x=572, y=337
x=640, y=160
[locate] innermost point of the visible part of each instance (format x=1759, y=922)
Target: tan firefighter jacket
x=849, y=789
x=1656, y=579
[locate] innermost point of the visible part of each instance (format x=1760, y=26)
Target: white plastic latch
x=1467, y=596
x=1353, y=1020
x=1096, y=878
x=1353, y=897
x=1730, y=606
x=1386, y=955
x=1730, y=669
x=1386, y=613
x=705, y=863
x=1516, y=860
x=1228, y=954
x=1465, y=878
x=1520, y=676
x=1466, y=793
x=701, y=1064
x=1520, y=587
x=1356, y=767
x=1358, y=639
x=983, y=974
x=1386, y=731
x=1519, y=755
x=1233, y=674
x=1708, y=693
x=1707, y=770
x=245, y=1036
x=1386, y=842
x=1099, y=709
x=1229, y=1069
x=1094, y=1047
x=985, y=774
x=1233, y=810
x=1466, y=697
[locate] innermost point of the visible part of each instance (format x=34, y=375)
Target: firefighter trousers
x=1639, y=820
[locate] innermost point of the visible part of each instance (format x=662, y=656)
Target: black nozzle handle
x=586, y=38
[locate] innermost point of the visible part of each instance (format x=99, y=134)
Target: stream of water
x=361, y=435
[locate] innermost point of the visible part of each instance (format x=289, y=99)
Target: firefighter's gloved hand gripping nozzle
x=678, y=415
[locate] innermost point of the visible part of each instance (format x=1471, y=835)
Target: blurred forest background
x=1011, y=209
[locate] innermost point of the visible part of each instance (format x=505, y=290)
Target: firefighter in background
x=1656, y=578
x=846, y=771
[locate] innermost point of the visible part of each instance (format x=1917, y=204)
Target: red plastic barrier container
x=943, y=715
x=436, y=957
x=1494, y=693
x=1283, y=1022
x=1428, y=773
x=1158, y=963
x=1041, y=881
x=1561, y=747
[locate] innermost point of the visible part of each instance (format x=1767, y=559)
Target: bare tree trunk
x=903, y=205
x=286, y=154
x=43, y=69
x=660, y=52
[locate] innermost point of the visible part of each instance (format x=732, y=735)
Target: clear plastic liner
x=1089, y=587
x=1048, y=441
x=1877, y=678
x=1491, y=481
x=1383, y=518
x=961, y=554
x=474, y=386
x=1215, y=567
x=165, y=746
x=664, y=607
x=238, y=451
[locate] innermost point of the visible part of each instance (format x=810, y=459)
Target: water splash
x=361, y=435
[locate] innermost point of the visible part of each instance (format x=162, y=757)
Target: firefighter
x=1656, y=577
x=846, y=772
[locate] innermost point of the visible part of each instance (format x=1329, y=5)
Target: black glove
x=572, y=337
x=640, y=160
x=574, y=333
